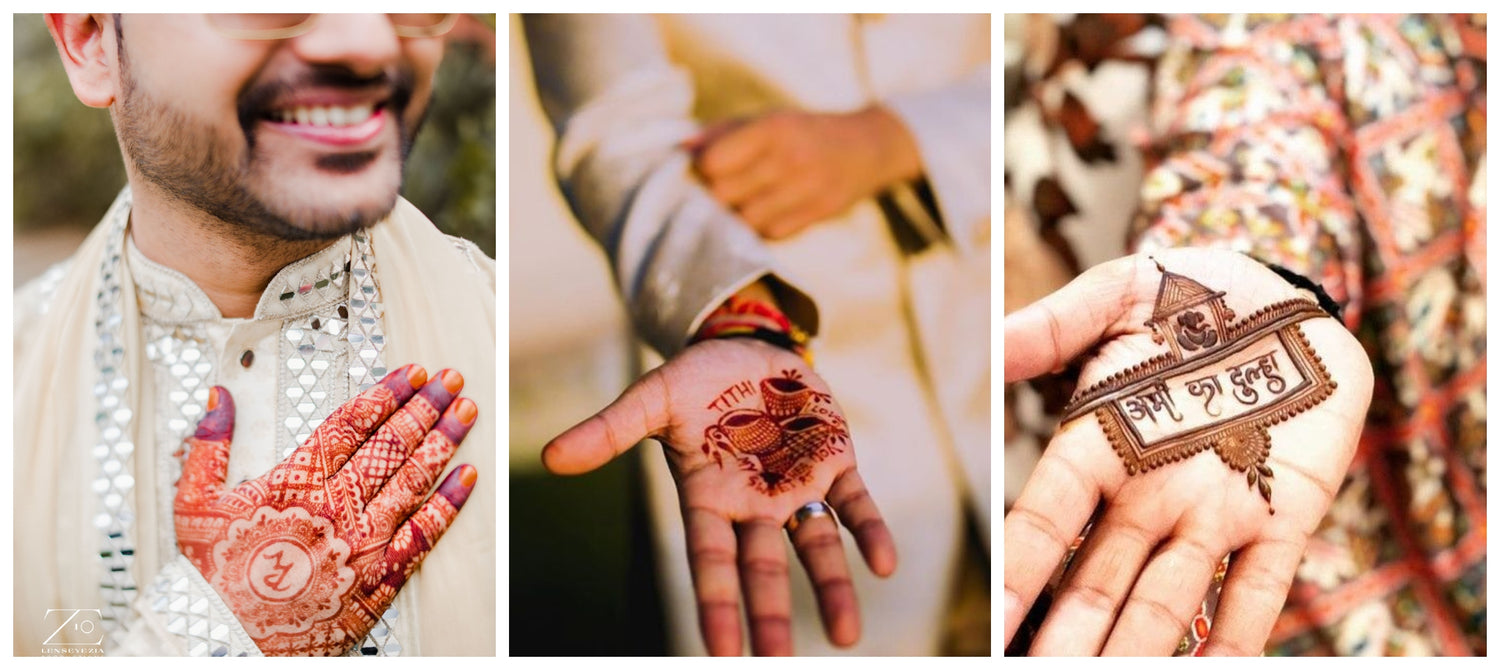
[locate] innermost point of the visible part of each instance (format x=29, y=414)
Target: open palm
x=751, y=434
x=1152, y=554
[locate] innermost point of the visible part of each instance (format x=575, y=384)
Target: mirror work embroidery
x=1220, y=385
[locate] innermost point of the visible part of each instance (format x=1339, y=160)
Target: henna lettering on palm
x=310, y=555
x=776, y=431
x=1220, y=385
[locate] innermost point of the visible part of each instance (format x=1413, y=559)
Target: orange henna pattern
x=793, y=428
x=309, y=555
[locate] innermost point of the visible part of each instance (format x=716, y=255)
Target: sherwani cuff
x=951, y=127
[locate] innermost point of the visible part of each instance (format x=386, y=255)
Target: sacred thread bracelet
x=755, y=319
x=1220, y=384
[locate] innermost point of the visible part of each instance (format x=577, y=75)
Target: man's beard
x=199, y=166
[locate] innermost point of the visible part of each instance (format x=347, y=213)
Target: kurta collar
x=168, y=296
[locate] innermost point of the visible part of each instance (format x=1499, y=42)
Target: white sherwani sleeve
x=951, y=127
x=621, y=111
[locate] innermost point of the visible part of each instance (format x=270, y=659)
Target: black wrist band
x=1324, y=300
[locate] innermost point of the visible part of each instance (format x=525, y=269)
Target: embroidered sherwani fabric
x=897, y=290
x=316, y=338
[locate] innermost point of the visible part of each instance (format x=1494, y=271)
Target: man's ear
x=80, y=40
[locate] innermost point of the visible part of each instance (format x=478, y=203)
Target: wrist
x=1303, y=283
x=895, y=154
x=756, y=318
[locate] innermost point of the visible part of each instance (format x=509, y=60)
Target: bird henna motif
x=777, y=431
x=1220, y=385
x=311, y=554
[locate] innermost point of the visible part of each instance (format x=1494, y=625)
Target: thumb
x=208, y=456
x=1043, y=336
x=640, y=412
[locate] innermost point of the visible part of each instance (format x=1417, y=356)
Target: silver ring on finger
x=811, y=510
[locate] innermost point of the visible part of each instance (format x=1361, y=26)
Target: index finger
x=1045, y=335
x=1052, y=510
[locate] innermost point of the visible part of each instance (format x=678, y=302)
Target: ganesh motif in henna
x=1220, y=385
x=776, y=431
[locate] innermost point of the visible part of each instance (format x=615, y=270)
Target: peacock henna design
x=1220, y=385
x=776, y=431
x=310, y=555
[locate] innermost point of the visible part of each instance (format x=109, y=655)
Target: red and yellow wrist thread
x=757, y=319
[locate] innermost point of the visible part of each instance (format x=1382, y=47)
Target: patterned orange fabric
x=1346, y=148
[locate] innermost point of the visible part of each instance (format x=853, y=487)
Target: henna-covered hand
x=309, y=555
x=1193, y=351
x=751, y=434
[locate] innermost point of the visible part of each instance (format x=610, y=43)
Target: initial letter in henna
x=780, y=438
x=1204, y=341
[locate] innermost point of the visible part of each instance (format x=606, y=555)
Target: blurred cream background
x=570, y=349
x=582, y=578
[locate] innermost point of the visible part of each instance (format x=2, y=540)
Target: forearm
x=622, y=111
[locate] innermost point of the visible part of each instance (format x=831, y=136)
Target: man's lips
x=315, y=125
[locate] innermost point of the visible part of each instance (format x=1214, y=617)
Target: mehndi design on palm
x=310, y=554
x=1220, y=385
x=779, y=442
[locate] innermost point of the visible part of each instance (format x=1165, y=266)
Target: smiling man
x=233, y=443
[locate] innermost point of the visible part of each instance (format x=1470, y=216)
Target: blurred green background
x=68, y=166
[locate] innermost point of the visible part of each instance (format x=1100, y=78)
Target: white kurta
x=903, y=329
x=177, y=346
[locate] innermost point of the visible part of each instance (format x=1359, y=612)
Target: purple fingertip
x=404, y=381
x=457, y=486
x=458, y=419
x=218, y=423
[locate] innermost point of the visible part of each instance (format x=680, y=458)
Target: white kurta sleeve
x=180, y=614
x=621, y=111
x=951, y=127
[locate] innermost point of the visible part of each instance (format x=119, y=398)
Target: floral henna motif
x=780, y=438
x=1220, y=386
x=309, y=555
x=287, y=567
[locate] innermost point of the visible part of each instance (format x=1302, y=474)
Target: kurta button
x=247, y=358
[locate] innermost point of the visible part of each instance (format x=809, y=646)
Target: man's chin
x=328, y=205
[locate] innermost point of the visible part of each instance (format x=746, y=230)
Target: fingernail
x=416, y=376
x=213, y=398
x=466, y=411
x=468, y=475
x=452, y=380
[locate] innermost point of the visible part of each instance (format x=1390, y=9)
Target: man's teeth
x=326, y=116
